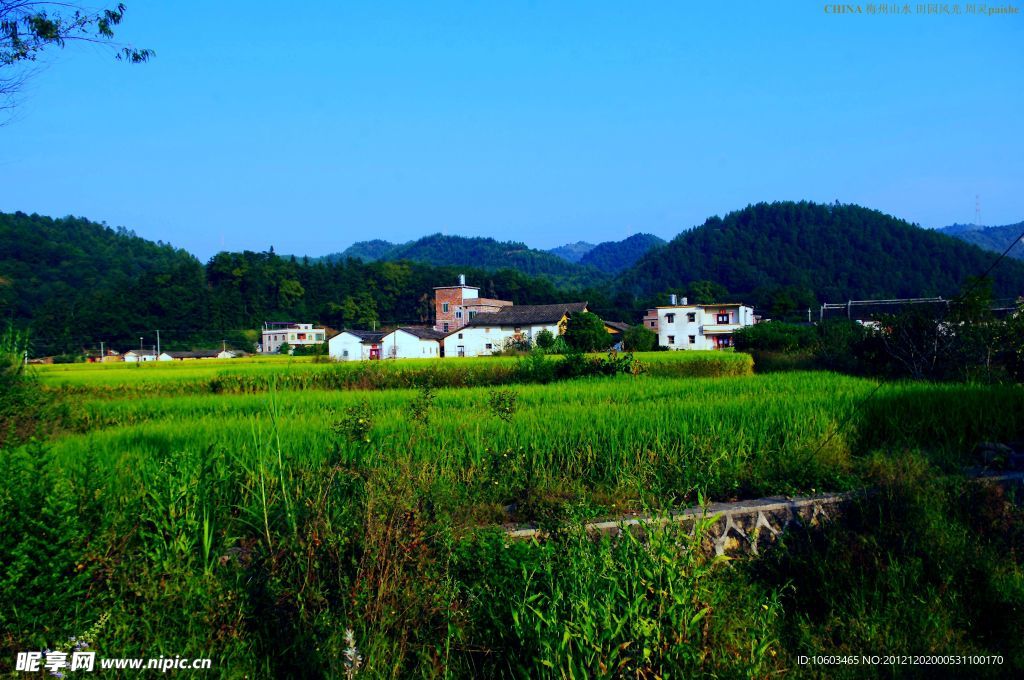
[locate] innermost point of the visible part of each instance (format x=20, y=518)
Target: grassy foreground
x=256, y=528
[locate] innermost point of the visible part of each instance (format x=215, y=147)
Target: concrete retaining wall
x=748, y=527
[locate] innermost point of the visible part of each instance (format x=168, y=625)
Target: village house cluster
x=467, y=325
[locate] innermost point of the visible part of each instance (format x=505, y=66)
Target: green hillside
x=816, y=252
x=572, y=252
x=995, y=239
x=616, y=256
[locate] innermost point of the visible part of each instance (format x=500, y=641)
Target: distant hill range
x=75, y=283
x=808, y=252
x=484, y=253
x=572, y=252
x=589, y=264
x=996, y=239
x=616, y=256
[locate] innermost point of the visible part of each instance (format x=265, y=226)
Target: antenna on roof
x=462, y=279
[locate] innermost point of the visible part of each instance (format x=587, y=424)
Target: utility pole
x=102, y=353
x=158, y=342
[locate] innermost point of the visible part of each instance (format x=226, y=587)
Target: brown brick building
x=454, y=306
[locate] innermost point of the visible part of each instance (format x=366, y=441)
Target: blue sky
x=546, y=122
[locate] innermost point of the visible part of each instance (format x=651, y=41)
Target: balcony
x=719, y=328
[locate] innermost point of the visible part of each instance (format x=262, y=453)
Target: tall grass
x=227, y=377
x=254, y=529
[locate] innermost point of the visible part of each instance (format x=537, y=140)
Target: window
x=691, y=316
x=471, y=314
x=487, y=346
x=345, y=353
x=445, y=326
x=693, y=339
x=460, y=336
x=653, y=324
x=723, y=317
x=458, y=314
x=670, y=318
x=671, y=339
x=444, y=307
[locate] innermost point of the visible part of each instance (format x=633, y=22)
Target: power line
x=882, y=380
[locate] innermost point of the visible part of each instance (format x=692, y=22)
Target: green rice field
x=252, y=511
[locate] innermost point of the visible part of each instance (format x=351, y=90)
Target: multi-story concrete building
x=454, y=306
x=701, y=326
x=277, y=333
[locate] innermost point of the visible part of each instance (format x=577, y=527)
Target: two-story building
x=277, y=333
x=701, y=326
x=455, y=306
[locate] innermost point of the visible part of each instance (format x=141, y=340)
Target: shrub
x=585, y=332
x=545, y=339
x=356, y=424
x=639, y=338
x=503, y=403
x=776, y=336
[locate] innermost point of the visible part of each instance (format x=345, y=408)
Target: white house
x=412, y=342
x=355, y=345
x=140, y=355
x=701, y=326
x=277, y=333
x=489, y=332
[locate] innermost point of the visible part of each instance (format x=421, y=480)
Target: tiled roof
x=197, y=354
x=488, y=302
x=618, y=325
x=523, y=315
x=365, y=336
x=423, y=332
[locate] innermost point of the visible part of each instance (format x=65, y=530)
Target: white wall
x=145, y=357
x=476, y=338
x=347, y=347
x=402, y=345
x=680, y=329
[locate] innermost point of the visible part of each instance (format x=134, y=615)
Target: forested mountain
x=807, y=252
x=482, y=253
x=572, y=252
x=62, y=273
x=996, y=239
x=75, y=283
x=367, y=251
x=616, y=256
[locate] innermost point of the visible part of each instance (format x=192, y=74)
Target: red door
x=374, y=353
